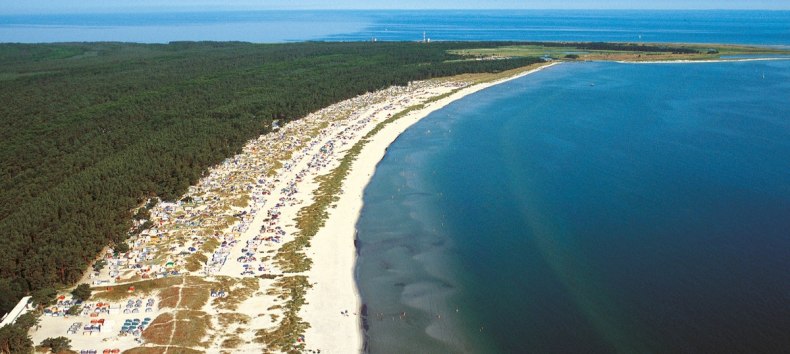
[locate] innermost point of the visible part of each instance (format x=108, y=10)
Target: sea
x=734, y=27
x=587, y=208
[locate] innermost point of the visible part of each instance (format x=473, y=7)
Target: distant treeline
x=632, y=47
x=92, y=130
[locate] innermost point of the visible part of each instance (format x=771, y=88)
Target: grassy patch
x=191, y=327
x=210, y=245
x=162, y=350
x=195, y=261
x=283, y=337
x=242, y=201
x=619, y=51
x=168, y=298
x=194, y=297
x=233, y=341
x=147, y=350
x=231, y=318
x=238, y=290
x=160, y=329
x=145, y=287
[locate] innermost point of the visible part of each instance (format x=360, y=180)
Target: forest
x=92, y=130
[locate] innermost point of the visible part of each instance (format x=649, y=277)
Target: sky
x=72, y=6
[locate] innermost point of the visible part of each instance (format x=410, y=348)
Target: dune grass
x=162, y=350
x=284, y=336
x=195, y=262
x=158, y=332
x=144, y=287
x=194, y=297
x=227, y=319
x=237, y=290
x=168, y=298
x=191, y=327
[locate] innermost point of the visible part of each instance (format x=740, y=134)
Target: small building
x=18, y=310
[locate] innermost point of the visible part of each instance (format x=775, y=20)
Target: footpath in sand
x=259, y=255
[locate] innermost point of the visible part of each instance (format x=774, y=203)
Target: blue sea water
x=744, y=27
x=590, y=207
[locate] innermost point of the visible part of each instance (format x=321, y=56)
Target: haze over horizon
x=87, y=6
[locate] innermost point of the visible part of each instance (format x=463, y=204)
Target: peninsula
x=211, y=190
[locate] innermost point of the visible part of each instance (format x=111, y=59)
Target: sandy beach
x=221, y=269
x=333, y=248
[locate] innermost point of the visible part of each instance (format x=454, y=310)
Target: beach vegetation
x=284, y=336
x=194, y=297
x=57, y=344
x=233, y=341
x=163, y=350
x=44, y=296
x=144, y=287
x=158, y=332
x=74, y=310
x=82, y=292
x=226, y=319
x=99, y=265
x=190, y=328
x=28, y=320
x=195, y=261
x=237, y=290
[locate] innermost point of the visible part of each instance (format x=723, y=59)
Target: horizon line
x=178, y=10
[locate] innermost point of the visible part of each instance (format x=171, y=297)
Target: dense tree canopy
x=57, y=345
x=82, y=292
x=92, y=130
x=14, y=339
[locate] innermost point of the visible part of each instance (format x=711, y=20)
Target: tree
x=44, y=296
x=82, y=292
x=73, y=311
x=122, y=247
x=57, y=345
x=27, y=320
x=99, y=265
x=14, y=339
x=9, y=295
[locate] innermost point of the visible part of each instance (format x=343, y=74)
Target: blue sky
x=65, y=6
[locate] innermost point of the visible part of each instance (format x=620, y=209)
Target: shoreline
x=335, y=257
x=684, y=61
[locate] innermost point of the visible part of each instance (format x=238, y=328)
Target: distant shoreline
x=698, y=61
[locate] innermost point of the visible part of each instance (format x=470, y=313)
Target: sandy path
x=175, y=313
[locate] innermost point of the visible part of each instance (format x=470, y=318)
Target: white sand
x=288, y=191
x=332, y=249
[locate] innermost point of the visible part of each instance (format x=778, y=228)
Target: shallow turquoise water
x=595, y=207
